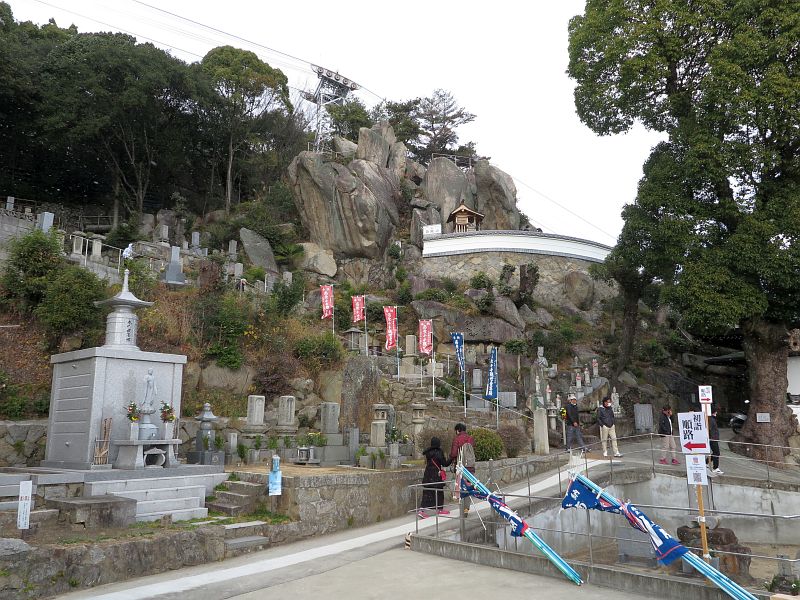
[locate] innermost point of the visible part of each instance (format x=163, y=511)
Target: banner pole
x=366, y=333
x=397, y=340
x=433, y=376
x=464, y=379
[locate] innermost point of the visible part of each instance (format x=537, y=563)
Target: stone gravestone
x=238, y=270
x=643, y=418
x=232, y=249
x=286, y=425
x=45, y=221
x=97, y=248
x=163, y=233
x=411, y=345
x=195, y=240
x=9, y=202
x=287, y=277
x=329, y=414
x=255, y=411
x=477, y=380
x=174, y=273
x=541, y=441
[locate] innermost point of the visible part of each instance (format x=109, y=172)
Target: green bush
x=516, y=346
x=488, y=445
x=68, y=304
x=404, y=294
x=460, y=302
x=285, y=296
x=226, y=326
x=124, y=234
x=450, y=285
x=32, y=262
x=485, y=304
x=141, y=280
x=374, y=311
x=514, y=439
x=394, y=252
x=481, y=281
x=653, y=352
x=319, y=350
x=400, y=274
x=435, y=294
x=443, y=390
x=253, y=274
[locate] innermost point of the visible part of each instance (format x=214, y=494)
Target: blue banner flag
x=667, y=548
x=491, y=379
x=458, y=343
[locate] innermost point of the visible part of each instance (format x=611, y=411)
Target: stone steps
x=102, y=487
x=245, y=488
x=243, y=545
x=167, y=505
x=234, y=498
x=248, y=528
x=227, y=508
x=184, y=514
x=189, y=491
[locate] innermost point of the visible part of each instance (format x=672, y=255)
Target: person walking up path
x=574, y=424
x=605, y=416
x=433, y=492
x=667, y=440
x=713, y=439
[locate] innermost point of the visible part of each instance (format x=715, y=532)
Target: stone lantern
x=417, y=424
x=377, y=432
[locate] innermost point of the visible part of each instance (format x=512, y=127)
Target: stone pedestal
x=541, y=443
x=377, y=431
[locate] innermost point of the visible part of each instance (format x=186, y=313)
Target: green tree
x=245, y=88
x=32, y=262
x=438, y=116
x=349, y=117
x=722, y=81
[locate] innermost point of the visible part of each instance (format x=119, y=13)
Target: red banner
x=327, y=301
x=390, y=312
x=358, y=308
x=425, y=341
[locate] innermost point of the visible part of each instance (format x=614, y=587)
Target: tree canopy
x=722, y=81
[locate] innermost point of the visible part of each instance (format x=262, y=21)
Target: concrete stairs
x=241, y=538
x=240, y=498
x=183, y=496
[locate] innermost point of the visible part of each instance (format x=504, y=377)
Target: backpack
x=466, y=456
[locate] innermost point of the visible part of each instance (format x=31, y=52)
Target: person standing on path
x=463, y=448
x=667, y=440
x=713, y=439
x=433, y=490
x=605, y=416
x=574, y=424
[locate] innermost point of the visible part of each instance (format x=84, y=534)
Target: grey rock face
x=361, y=387
x=446, y=186
x=579, y=288
x=496, y=197
x=504, y=308
x=344, y=146
x=420, y=218
x=317, y=260
x=258, y=250
x=397, y=160
x=475, y=328
x=10, y=547
x=341, y=213
x=374, y=144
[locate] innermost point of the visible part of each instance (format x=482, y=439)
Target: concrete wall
x=12, y=227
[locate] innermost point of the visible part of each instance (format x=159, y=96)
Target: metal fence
x=599, y=548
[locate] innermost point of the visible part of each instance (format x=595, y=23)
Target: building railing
x=520, y=500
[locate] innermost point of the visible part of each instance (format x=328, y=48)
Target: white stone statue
x=150, y=390
x=615, y=401
x=578, y=380
x=595, y=368
x=558, y=401
x=538, y=385
x=128, y=252
x=586, y=378
x=540, y=359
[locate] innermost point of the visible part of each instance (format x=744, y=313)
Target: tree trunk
x=630, y=318
x=115, y=209
x=229, y=177
x=766, y=350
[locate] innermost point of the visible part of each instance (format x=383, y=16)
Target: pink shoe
x=444, y=511
x=675, y=461
x=421, y=514
x=663, y=461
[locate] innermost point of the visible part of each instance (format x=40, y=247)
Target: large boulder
x=496, y=197
x=397, y=160
x=375, y=144
x=317, y=260
x=258, y=250
x=504, y=308
x=420, y=218
x=475, y=328
x=361, y=388
x=579, y=288
x=538, y=317
x=340, y=212
x=380, y=182
x=447, y=186
x=344, y=146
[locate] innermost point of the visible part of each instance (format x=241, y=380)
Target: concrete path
x=330, y=561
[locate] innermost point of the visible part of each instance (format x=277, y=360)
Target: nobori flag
x=359, y=314
x=425, y=336
x=326, y=291
x=390, y=312
x=458, y=344
x=491, y=379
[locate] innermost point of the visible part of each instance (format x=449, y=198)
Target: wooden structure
x=465, y=219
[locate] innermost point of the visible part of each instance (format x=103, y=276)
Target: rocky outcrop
x=579, y=288
x=22, y=442
x=317, y=260
x=424, y=213
x=496, y=197
x=341, y=213
x=344, y=146
x=397, y=160
x=258, y=250
x=476, y=328
x=361, y=382
x=447, y=186
x=375, y=144
x=504, y=308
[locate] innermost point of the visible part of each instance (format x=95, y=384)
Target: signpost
x=695, y=445
x=24, y=506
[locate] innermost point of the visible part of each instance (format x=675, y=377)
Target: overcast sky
x=503, y=61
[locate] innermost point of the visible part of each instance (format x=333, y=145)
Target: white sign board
x=429, y=230
x=762, y=418
x=24, y=506
x=693, y=433
x=705, y=394
x=696, y=469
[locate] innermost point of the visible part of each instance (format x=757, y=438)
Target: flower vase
x=134, y=431
x=169, y=430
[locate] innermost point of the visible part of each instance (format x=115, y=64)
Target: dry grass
x=170, y=325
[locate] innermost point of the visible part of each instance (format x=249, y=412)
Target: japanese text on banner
x=359, y=313
x=425, y=336
x=326, y=292
x=390, y=312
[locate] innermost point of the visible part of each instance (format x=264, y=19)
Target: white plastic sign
x=705, y=394
x=696, y=469
x=693, y=432
x=24, y=506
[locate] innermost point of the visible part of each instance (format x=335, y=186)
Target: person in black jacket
x=667, y=439
x=433, y=492
x=713, y=440
x=605, y=417
x=574, y=424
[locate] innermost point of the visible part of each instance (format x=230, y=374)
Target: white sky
x=503, y=61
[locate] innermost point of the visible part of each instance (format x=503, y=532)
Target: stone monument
x=98, y=383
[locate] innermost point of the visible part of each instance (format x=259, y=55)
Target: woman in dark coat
x=433, y=493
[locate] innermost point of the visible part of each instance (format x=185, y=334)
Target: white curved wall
x=514, y=241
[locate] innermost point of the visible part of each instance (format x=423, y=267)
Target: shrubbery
x=514, y=439
x=435, y=294
x=227, y=325
x=403, y=295
x=488, y=445
x=319, y=350
x=653, y=352
x=481, y=281
x=32, y=262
